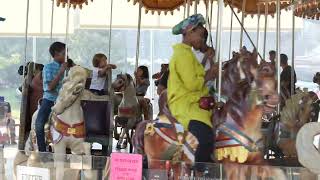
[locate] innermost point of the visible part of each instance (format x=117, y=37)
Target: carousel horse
x=300, y=109
x=308, y=153
x=164, y=139
x=31, y=94
x=66, y=126
x=67, y=121
x=129, y=111
x=251, y=91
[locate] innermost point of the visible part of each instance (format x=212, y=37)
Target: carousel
x=255, y=136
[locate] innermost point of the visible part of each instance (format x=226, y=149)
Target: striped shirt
x=50, y=71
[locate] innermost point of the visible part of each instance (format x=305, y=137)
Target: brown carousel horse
x=161, y=140
x=250, y=90
x=239, y=137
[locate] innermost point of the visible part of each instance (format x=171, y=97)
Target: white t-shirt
x=97, y=83
x=199, y=55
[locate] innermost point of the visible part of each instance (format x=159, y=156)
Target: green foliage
x=13, y=99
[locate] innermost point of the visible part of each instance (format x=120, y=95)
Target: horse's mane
x=236, y=87
x=77, y=73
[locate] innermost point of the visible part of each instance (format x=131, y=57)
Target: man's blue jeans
x=43, y=116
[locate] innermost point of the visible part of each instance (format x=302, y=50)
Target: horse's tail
x=138, y=137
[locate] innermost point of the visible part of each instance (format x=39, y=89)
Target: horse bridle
x=124, y=80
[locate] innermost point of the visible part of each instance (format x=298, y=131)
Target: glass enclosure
x=14, y=164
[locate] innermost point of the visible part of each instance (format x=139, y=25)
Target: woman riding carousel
x=187, y=85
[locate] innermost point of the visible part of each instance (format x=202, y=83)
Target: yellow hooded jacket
x=186, y=86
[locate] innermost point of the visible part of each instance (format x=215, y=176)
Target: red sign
x=126, y=166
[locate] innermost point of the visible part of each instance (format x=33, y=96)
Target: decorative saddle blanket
x=61, y=129
x=174, y=134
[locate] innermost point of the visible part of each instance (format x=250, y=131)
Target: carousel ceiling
x=252, y=7
x=160, y=5
x=309, y=9
x=74, y=3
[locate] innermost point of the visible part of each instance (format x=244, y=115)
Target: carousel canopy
x=252, y=7
x=74, y=3
x=125, y=16
x=160, y=5
x=308, y=9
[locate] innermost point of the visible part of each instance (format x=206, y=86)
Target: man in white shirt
x=206, y=54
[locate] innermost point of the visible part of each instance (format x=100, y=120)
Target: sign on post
x=126, y=166
x=32, y=173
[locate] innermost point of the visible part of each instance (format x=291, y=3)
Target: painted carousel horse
x=165, y=139
x=251, y=92
x=308, y=153
x=31, y=94
x=300, y=109
x=67, y=128
x=129, y=111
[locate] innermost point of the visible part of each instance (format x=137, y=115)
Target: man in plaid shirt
x=53, y=74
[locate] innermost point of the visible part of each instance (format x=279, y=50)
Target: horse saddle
x=61, y=129
x=231, y=135
x=174, y=134
x=127, y=111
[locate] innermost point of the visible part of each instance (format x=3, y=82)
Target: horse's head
x=122, y=82
x=266, y=86
x=250, y=88
x=71, y=89
x=240, y=68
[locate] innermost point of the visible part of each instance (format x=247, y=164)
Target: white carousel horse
x=129, y=110
x=308, y=154
x=67, y=129
x=67, y=125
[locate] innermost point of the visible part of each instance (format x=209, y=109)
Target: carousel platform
x=75, y=164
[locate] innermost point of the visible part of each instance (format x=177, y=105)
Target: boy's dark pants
x=43, y=116
x=205, y=136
